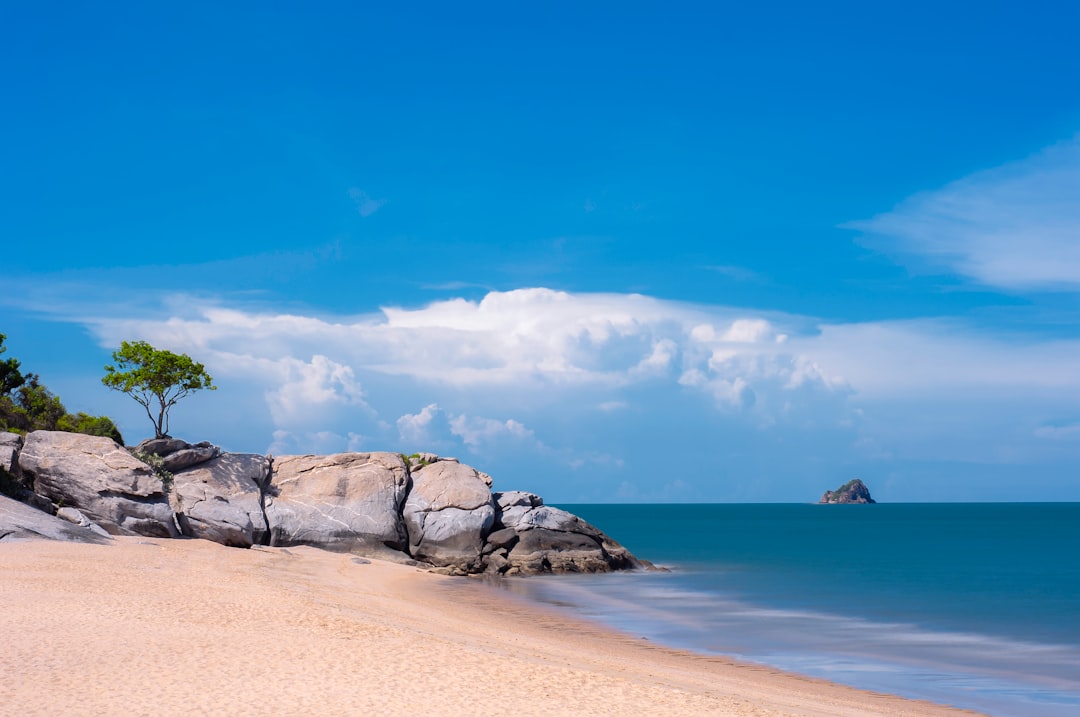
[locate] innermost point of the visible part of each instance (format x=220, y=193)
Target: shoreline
x=149, y=624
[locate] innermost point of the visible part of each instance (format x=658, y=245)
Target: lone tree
x=156, y=379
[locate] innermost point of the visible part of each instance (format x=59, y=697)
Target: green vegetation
x=27, y=405
x=847, y=486
x=157, y=463
x=156, y=379
x=415, y=457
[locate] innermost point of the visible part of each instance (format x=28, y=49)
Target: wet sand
x=146, y=627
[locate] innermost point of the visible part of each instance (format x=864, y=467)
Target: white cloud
x=416, y=428
x=1015, y=227
x=476, y=431
x=917, y=360
x=610, y=406
x=549, y=375
x=365, y=205
x=525, y=340
x=310, y=387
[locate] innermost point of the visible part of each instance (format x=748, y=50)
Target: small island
x=854, y=491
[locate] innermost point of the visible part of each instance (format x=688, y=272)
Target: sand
x=152, y=627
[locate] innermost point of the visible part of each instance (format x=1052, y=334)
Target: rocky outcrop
x=101, y=479
x=221, y=499
x=854, y=491
x=175, y=454
x=348, y=501
x=547, y=539
x=19, y=521
x=449, y=512
x=422, y=508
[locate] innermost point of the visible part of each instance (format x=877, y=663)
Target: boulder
x=187, y=457
x=161, y=446
x=514, y=504
x=21, y=522
x=551, y=540
x=176, y=454
x=221, y=499
x=501, y=539
x=348, y=502
x=541, y=550
x=10, y=443
x=448, y=513
x=101, y=479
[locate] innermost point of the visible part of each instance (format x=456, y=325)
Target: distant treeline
x=27, y=405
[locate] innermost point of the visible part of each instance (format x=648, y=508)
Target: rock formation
x=854, y=491
x=348, y=501
x=552, y=540
x=220, y=499
x=448, y=514
x=422, y=509
x=19, y=521
x=94, y=474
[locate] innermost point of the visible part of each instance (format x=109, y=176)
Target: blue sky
x=604, y=251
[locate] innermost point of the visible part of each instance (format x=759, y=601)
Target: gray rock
x=542, y=550
x=545, y=516
x=448, y=513
x=101, y=479
x=10, y=443
x=504, y=538
x=551, y=540
x=187, y=457
x=73, y=515
x=348, y=502
x=161, y=446
x=21, y=522
x=511, y=498
x=497, y=563
x=220, y=500
x=76, y=517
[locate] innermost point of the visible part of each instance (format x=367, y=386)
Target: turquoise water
x=975, y=605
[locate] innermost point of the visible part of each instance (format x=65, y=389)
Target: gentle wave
x=986, y=672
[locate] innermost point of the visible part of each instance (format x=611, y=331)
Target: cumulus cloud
x=434, y=427
x=526, y=339
x=568, y=379
x=1016, y=226
x=416, y=428
x=310, y=387
x=476, y=431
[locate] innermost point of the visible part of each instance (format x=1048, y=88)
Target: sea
x=974, y=605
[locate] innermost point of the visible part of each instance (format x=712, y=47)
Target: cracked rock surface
x=346, y=501
x=449, y=513
x=19, y=521
x=220, y=499
x=94, y=474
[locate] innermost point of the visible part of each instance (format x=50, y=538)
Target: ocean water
x=974, y=605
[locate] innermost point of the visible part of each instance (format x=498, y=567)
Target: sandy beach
x=148, y=626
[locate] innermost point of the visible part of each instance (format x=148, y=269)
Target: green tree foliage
x=155, y=378
x=10, y=376
x=28, y=405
